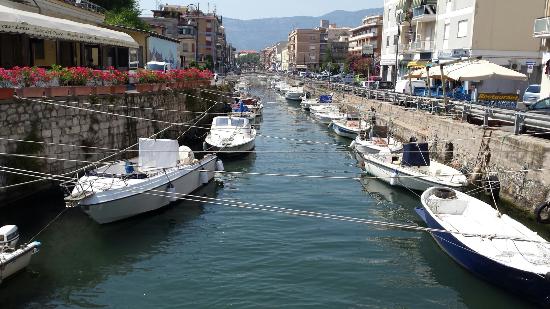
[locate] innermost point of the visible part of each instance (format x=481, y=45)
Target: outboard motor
x=186, y=155
x=9, y=236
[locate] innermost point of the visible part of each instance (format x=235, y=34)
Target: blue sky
x=250, y=9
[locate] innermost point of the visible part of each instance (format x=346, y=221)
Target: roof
x=42, y=26
x=151, y=33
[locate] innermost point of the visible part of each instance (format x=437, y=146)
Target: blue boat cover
x=416, y=154
x=242, y=108
x=326, y=98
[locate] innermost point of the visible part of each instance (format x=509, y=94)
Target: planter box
x=144, y=87
x=6, y=93
x=30, y=92
x=99, y=90
x=59, y=91
x=118, y=89
x=82, y=90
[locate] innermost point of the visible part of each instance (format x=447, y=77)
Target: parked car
x=158, y=66
x=404, y=86
x=385, y=85
x=540, y=107
x=348, y=79
x=532, y=94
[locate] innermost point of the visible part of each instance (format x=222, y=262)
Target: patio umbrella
x=480, y=70
x=417, y=73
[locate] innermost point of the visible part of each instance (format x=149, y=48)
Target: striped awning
x=42, y=26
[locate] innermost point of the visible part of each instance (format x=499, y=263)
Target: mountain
x=259, y=33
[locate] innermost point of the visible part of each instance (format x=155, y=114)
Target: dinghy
x=489, y=244
x=349, y=127
x=294, y=94
x=375, y=141
x=124, y=189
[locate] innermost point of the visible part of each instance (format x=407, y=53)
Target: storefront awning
x=42, y=26
x=481, y=70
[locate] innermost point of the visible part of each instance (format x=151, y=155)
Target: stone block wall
x=506, y=154
x=37, y=121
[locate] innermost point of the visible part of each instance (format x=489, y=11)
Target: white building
x=445, y=30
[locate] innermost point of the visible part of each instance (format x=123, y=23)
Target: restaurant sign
x=501, y=100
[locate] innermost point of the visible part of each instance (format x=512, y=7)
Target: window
x=312, y=47
x=446, y=32
x=38, y=46
x=462, y=29
x=388, y=40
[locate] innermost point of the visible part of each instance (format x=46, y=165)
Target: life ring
x=538, y=212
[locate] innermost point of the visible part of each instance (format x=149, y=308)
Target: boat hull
x=392, y=176
x=293, y=96
x=143, y=200
x=532, y=286
x=343, y=131
x=231, y=151
x=16, y=261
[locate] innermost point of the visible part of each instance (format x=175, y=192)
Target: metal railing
x=466, y=110
x=423, y=45
x=541, y=27
x=87, y=5
x=428, y=10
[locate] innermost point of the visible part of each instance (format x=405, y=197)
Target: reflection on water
x=79, y=253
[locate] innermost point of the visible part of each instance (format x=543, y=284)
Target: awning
x=42, y=26
x=435, y=72
x=481, y=70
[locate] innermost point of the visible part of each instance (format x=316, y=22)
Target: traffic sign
x=530, y=62
x=530, y=68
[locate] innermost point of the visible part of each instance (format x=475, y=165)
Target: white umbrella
x=480, y=70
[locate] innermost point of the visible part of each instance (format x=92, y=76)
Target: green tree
x=123, y=13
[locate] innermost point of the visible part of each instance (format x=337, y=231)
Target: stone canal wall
x=470, y=147
x=22, y=119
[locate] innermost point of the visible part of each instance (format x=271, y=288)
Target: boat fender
x=171, y=190
x=203, y=177
x=538, y=213
x=219, y=166
x=394, y=179
x=352, y=145
x=547, y=276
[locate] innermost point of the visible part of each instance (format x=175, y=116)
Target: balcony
x=541, y=28
x=423, y=46
x=424, y=13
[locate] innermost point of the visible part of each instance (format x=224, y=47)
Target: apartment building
x=418, y=31
x=367, y=36
x=306, y=48
x=201, y=35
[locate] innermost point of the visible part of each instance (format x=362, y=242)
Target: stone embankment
x=99, y=134
x=521, y=162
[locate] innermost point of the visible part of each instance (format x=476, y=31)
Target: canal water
x=199, y=255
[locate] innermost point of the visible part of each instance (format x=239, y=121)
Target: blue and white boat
x=491, y=245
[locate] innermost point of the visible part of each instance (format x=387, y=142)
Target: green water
x=198, y=255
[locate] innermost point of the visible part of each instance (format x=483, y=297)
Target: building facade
x=72, y=41
x=367, y=37
x=446, y=30
x=306, y=48
x=201, y=35
x=541, y=30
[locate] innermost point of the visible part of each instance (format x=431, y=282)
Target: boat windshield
x=222, y=122
x=237, y=122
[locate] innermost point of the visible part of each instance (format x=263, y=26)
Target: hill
x=259, y=33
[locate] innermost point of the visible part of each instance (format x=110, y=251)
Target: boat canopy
x=230, y=122
x=416, y=154
x=326, y=98
x=157, y=153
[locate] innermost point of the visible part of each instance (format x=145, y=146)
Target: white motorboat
x=328, y=115
x=254, y=105
x=349, y=127
x=294, y=93
x=375, y=141
x=230, y=136
x=308, y=102
x=13, y=259
x=412, y=169
x=491, y=245
x=121, y=190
